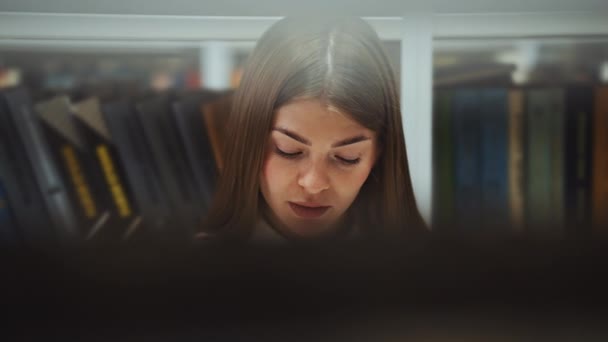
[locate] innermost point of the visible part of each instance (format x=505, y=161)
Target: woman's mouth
x=307, y=210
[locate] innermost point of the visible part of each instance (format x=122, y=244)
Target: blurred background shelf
x=190, y=45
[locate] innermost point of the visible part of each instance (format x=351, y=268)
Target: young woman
x=316, y=148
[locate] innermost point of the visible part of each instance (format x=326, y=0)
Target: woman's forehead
x=314, y=114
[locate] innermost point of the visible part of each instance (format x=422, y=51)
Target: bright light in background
x=524, y=57
x=9, y=77
x=604, y=72
x=216, y=65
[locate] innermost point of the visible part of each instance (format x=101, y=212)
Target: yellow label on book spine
x=83, y=191
x=118, y=193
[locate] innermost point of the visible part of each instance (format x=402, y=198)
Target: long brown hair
x=342, y=62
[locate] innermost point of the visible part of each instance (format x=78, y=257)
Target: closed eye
x=287, y=155
x=349, y=161
x=294, y=155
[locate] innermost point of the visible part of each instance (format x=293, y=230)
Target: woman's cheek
x=274, y=168
x=361, y=175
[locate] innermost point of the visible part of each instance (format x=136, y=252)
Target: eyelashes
x=295, y=155
x=349, y=161
x=286, y=154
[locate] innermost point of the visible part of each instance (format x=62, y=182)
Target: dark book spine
x=467, y=141
x=102, y=220
x=494, y=156
x=113, y=175
x=600, y=161
x=516, y=160
x=60, y=208
x=168, y=156
x=443, y=155
x=136, y=159
x=21, y=188
x=193, y=134
x=64, y=158
x=578, y=158
x=8, y=229
x=544, y=162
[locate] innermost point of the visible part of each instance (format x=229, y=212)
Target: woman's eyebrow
x=343, y=142
x=292, y=135
x=350, y=141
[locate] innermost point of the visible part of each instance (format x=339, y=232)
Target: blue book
x=494, y=157
x=467, y=170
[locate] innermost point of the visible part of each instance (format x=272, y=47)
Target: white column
x=216, y=63
x=416, y=103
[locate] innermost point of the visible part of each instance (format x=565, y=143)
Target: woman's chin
x=309, y=230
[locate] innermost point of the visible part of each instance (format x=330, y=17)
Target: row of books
x=530, y=159
x=107, y=169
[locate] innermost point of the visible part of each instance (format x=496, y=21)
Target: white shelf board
x=191, y=29
x=145, y=28
x=516, y=25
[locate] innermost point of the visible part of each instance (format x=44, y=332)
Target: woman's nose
x=314, y=179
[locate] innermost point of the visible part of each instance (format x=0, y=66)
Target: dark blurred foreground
x=432, y=289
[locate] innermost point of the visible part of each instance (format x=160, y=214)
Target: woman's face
x=316, y=162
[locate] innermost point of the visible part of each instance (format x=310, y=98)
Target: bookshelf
x=417, y=31
x=497, y=288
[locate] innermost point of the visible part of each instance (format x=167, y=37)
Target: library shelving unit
x=416, y=30
x=445, y=290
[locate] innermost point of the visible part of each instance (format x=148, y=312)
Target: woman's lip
x=309, y=204
x=308, y=210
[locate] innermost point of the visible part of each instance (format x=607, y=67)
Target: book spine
x=493, y=158
x=538, y=163
x=22, y=191
x=136, y=159
x=8, y=230
x=57, y=198
x=556, y=114
x=194, y=138
x=600, y=161
x=209, y=112
x=579, y=105
x=516, y=159
x=79, y=182
x=54, y=192
x=67, y=153
x=107, y=177
x=443, y=160
x=167, y=155
x=113, y=182
x=467, y=158
x=545, y=161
